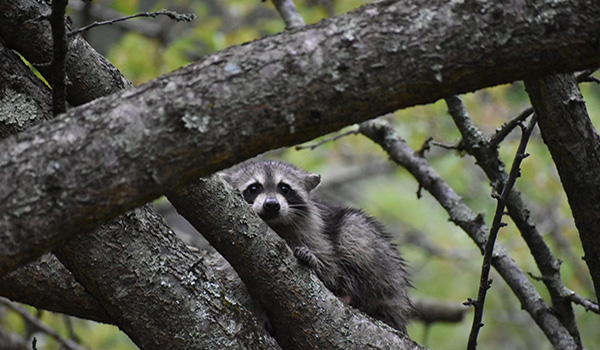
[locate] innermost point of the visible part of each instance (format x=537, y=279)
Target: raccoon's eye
x=253, y=188
x=284, y=188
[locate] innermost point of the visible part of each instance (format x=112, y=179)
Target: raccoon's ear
x=311, y=181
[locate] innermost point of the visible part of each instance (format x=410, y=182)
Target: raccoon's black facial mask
x=252, y=191
x=275, y=201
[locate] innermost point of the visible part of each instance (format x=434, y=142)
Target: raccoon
x=348, y=250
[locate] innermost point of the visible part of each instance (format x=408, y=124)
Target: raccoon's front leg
x=308, y=258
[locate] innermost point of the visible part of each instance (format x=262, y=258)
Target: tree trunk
x=573, y=142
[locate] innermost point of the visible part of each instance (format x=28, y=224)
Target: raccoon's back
x=373, y=274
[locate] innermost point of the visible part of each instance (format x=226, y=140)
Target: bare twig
x=425, y=147
x=59, y=54
x=586, y=76
x=289, y=13
x=446, y=146
x=484, y=281
x=185, y=17
x=588, y=304
x=40, y=326
x=312, y=146
x=97, y=12
x=508, y=127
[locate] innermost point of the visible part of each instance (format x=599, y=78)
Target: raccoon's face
x=278, y=192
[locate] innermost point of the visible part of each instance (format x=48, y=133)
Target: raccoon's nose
x=271, y=205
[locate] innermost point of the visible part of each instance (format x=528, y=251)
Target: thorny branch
x=507, y=128
x=185, y=17
x=312, y=146
x=485, y=282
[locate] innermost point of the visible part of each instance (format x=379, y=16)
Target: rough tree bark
x=473, y=224
x=118, y=152
x=574, y=144
x=488, y=159
x=137, y=275
x=180, y=305
x=24, y=87
x=46, y=284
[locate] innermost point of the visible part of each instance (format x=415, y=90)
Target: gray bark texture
x=46, y=284
x=140, y=264
x=488, y=159
x=22, y=103
x=165, y=319
x=121, y=151
x=155, y=308
x=135, y=273
x=573, y=142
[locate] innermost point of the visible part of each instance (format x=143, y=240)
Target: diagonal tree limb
x=46, y=284
x=383, y=134
x=137, y=263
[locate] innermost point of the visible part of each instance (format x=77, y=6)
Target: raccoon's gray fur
x=347, y=249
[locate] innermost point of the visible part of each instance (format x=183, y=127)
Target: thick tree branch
x=130, y=147
x=47, y=284
x=145, y=264
x=383, y=134
x=573, y=142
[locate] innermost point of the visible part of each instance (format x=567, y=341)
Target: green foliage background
x=444, y=261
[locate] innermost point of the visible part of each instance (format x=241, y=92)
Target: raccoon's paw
x=307, y=257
